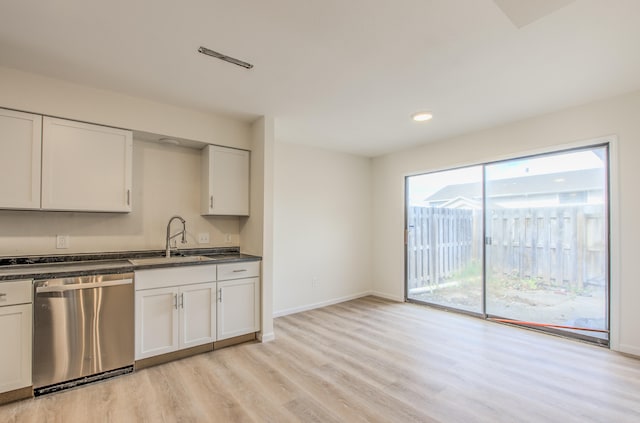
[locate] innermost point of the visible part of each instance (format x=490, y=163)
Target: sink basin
x=168, y=260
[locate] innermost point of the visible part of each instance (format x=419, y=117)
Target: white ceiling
x=339, y=74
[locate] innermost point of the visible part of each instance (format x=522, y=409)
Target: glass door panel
x=546, y=241
x=444, y=238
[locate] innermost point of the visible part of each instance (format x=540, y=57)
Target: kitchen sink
x=167, y=260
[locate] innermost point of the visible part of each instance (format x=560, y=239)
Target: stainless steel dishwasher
x=83, y=330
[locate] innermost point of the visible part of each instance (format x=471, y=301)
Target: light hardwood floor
x=367, y=360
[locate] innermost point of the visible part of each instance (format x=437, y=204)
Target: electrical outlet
x=227, y=238
x=315, y=282
x=62, y=241
x=203, y=238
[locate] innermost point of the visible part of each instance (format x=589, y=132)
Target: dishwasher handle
x=77, y=286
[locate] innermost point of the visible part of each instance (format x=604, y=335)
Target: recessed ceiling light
x=422, y=116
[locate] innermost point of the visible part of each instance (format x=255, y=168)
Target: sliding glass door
x=546, y=231
x=444, y=238
x=523, y=241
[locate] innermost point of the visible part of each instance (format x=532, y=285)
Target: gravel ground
x=545, y=305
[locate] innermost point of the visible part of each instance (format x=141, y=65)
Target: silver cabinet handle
x=2, y=294
x=211, y=202
x=175, y=301
x=128, y=197
x=220, y=299
x=239, y=270
x=182, y=300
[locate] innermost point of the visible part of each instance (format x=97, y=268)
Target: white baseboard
x=266, y=337
x=629, y=349
x=387, y=296
x=294, y=310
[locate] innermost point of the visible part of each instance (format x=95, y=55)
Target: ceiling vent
x=224, y=57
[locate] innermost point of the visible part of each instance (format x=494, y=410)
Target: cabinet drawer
x=16, y=292
x=250, y=269
x=174, y=276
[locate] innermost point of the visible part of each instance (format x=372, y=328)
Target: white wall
x=166, y=182
x=256, y=231
x=619, y=116
x=322, y=227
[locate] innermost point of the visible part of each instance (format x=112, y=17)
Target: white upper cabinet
x=85, y=167
x=20, y=135
x=225, y=181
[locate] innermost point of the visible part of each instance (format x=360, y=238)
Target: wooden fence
x=562, y=246
x=439, y=244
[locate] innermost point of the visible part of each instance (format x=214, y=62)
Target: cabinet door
x=225, y=181
x=238, y=307
x=156, y=322
x=85, y=167
x=198, y=316
x=15, y=353
x=20, y=135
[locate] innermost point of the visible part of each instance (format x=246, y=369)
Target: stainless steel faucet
x=183, y=232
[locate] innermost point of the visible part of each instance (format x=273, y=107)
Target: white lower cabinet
x=183, y=307
x=15, y=333
x=175, y=309
x=197, y=314
x=238, y=299
x=157, y=322
x=170, y=319
x=238, y=307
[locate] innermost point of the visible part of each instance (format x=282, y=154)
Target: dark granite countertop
x=52, y=266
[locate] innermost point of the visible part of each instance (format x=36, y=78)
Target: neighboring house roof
x=470, y=190
x=462, y=203
x=578, y=180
